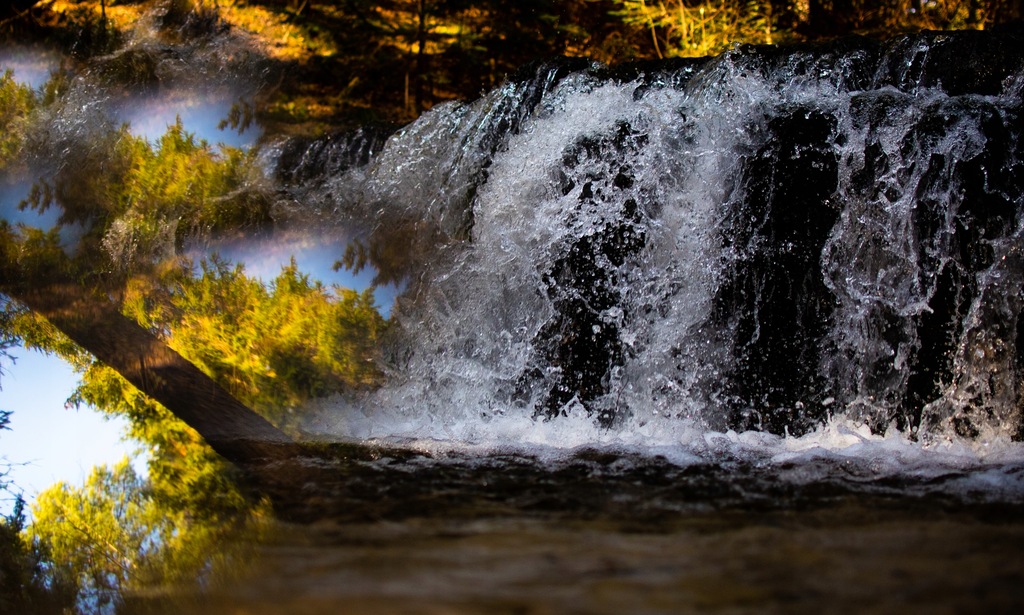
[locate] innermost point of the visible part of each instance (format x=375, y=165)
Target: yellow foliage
x=121, y=16
x=282, y=40
x=696, y=29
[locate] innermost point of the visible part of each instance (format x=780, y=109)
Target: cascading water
x=766, y=241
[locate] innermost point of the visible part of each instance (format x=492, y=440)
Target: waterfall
x=766, y=241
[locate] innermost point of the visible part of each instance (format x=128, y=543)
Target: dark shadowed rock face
x=579, y=345
x=305, y=160
x=774, y=295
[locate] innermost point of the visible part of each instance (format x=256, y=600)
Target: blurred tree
x=273, y=347
x=141, y=202
x=396, y=58
x=24, y=585
x=705, y=27
x=827, y=18
x=101, y=537
x=119, y=535
x=16, y=103
x=137, y=205
x=700, y=28
x=13, y=8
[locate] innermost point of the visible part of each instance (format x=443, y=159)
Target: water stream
x=768, y=242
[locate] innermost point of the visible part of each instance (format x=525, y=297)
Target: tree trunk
x=421, y=53
x=235, y=431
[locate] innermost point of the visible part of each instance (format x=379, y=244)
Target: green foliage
x=90, y=177
x=20, y=325
x=142, y=201
x=190, y=511
x=182, y=178
x=16, y=104
x=122, y=532
x=24, y=585
x=34, y=253
x=273, y=347
x=185, y=474
x=7, y=341
x=240, y=117
x=116, y=535
x=101, y=537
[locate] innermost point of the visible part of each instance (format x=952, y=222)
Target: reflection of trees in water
x=120, y=534
x=185, y=353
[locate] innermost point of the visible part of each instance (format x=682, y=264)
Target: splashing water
x=821, y=245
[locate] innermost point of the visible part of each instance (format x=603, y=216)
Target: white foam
x=470, y=331
x=838, y=442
